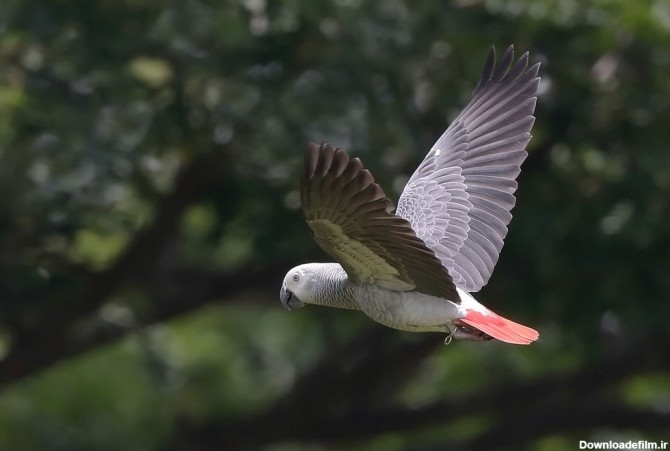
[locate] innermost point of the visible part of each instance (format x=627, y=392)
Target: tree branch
x=49, y=338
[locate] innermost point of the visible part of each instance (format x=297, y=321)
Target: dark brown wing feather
x=351, y=219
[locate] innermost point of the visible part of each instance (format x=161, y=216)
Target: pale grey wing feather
x=460, y=197
x=351, y=219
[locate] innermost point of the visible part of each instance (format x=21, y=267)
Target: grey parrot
x=414, y=269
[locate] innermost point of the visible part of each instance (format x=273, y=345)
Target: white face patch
x=438, y=152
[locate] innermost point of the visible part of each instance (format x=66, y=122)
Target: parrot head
x=296, y=288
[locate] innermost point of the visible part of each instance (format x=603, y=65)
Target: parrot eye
x=296, y=277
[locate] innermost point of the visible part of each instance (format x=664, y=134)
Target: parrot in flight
x=414, y=268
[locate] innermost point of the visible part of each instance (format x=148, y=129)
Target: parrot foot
x=465, y=332
x=449, y=337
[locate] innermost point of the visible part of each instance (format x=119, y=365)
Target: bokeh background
x=150, y=156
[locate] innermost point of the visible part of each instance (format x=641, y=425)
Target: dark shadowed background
x=150, y=156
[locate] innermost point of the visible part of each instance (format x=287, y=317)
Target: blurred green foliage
x=106, y=106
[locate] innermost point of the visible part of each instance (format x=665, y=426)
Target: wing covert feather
x=351, y=219
x=459, y=200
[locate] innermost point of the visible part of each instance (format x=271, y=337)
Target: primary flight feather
x=414, y=269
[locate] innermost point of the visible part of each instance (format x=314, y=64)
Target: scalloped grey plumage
x=459, y=199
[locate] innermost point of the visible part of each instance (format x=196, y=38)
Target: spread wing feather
x=351, y=219
x=460, y=197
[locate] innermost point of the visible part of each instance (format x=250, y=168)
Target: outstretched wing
x=459, y=199
x=351, y=219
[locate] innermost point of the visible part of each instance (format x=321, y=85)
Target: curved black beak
x=288, y=299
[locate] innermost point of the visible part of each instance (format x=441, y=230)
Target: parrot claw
x=449, y=337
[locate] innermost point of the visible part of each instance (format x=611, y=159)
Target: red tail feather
x=500, y=328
